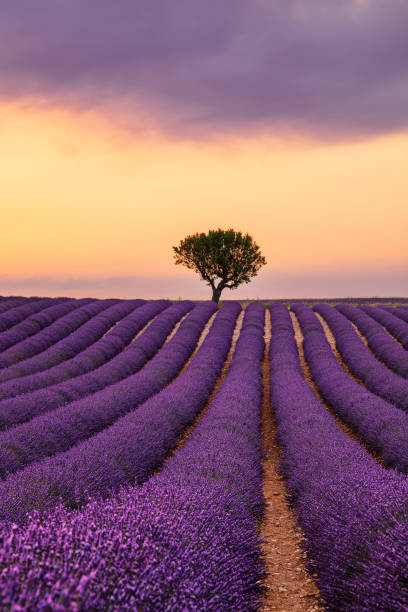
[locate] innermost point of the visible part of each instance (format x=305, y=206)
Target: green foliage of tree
x=223, y=258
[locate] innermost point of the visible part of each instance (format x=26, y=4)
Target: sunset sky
x=125, y=126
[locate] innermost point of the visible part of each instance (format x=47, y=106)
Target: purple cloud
x=335, y=68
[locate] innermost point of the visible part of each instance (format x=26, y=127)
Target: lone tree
x=223, y=258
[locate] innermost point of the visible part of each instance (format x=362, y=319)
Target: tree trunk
x=216, y=294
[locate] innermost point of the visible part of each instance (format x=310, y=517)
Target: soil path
x=289, y=585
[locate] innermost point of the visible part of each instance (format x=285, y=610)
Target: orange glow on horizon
x=80, y=198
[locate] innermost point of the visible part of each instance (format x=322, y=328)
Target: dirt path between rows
x=289, y=585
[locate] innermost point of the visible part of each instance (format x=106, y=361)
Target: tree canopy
x=224, y=259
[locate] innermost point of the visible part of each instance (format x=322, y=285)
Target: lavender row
x=183, y=541
x=391, y=321
x=45, y=338
x=12, y=302
x=389, y=318
x=382, y=344
x=400, y=311
x=383, y=426
x=352, y=511
x=132, y=448
x=347, y=300
x=119, y=365
x=19, y=313
x=361, y=362
x=99, y=317
x=33, y=324
x=60, y=429
x=135, y=317
x=225, y=447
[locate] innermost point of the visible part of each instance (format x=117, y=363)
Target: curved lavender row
x=352, y=511
x=145, y=549
x=180, y=542
x=396, y=327
x=383, y=426
x=33, y=324
x=383, y=346
x=8, y=303
x=131, y=449
x=45, y=338
x=100, y=316
x=225, y=447
x=135, y=316
x=400, y=311
x=19, y=313
x=58, y=430
x=361, y=362
x=119, y=364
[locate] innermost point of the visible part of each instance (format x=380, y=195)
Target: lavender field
x=159, y=455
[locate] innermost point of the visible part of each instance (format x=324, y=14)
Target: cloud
x=330, y=68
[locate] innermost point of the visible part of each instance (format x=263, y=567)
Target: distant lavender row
x=361, y=362
x=389, y=318
x=100, y=316
x=12, y=302
x=399, y=311
x=70, y=424
x=184, y=541
x=382, y=344
x=44, y=435
x=341, y=300
x=19, y=313
x=352, y=511
x=45, y=338
x=32, y=325
x=132, y=448
x=84, y=373
x=383, y=426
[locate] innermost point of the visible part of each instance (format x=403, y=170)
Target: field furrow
x=123, y=331
x=361, y=361
x=32, y=326
x=99, y=317
x=15, y=315
x=106, y=362
x=382, y=344
x=379, y=424
x=352, y=510
x=394, y=326
x=170, y=456
x=61, y=428
x=190, y=428
x=45, y=482
x=289, y=586
x=8, y=303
